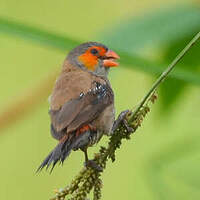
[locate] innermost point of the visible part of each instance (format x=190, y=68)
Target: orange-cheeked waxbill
x=82, y=101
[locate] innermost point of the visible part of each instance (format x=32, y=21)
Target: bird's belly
x=104, y=122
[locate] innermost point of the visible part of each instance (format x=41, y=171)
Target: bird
x=82, y=101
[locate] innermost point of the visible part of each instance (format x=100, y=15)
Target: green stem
x=163, y=76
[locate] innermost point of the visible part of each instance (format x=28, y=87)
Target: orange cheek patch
x=89, y=60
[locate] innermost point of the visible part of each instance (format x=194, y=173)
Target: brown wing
x=84, y=109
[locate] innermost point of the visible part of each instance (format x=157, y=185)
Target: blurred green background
x=162, y=160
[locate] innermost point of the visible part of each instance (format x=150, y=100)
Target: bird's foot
x=122, y=119
x=92, y=164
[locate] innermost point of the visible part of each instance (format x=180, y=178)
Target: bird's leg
x=86, y=155
x=122, y=119
x=91, y=163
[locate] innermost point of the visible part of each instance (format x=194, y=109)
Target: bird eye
x=94, y=51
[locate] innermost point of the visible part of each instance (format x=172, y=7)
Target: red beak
x=109, y=61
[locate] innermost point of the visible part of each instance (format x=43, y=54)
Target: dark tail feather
x=44, y=163
x=63, y=149
x=60, y=153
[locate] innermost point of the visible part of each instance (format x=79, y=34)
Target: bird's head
x=94, y=57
